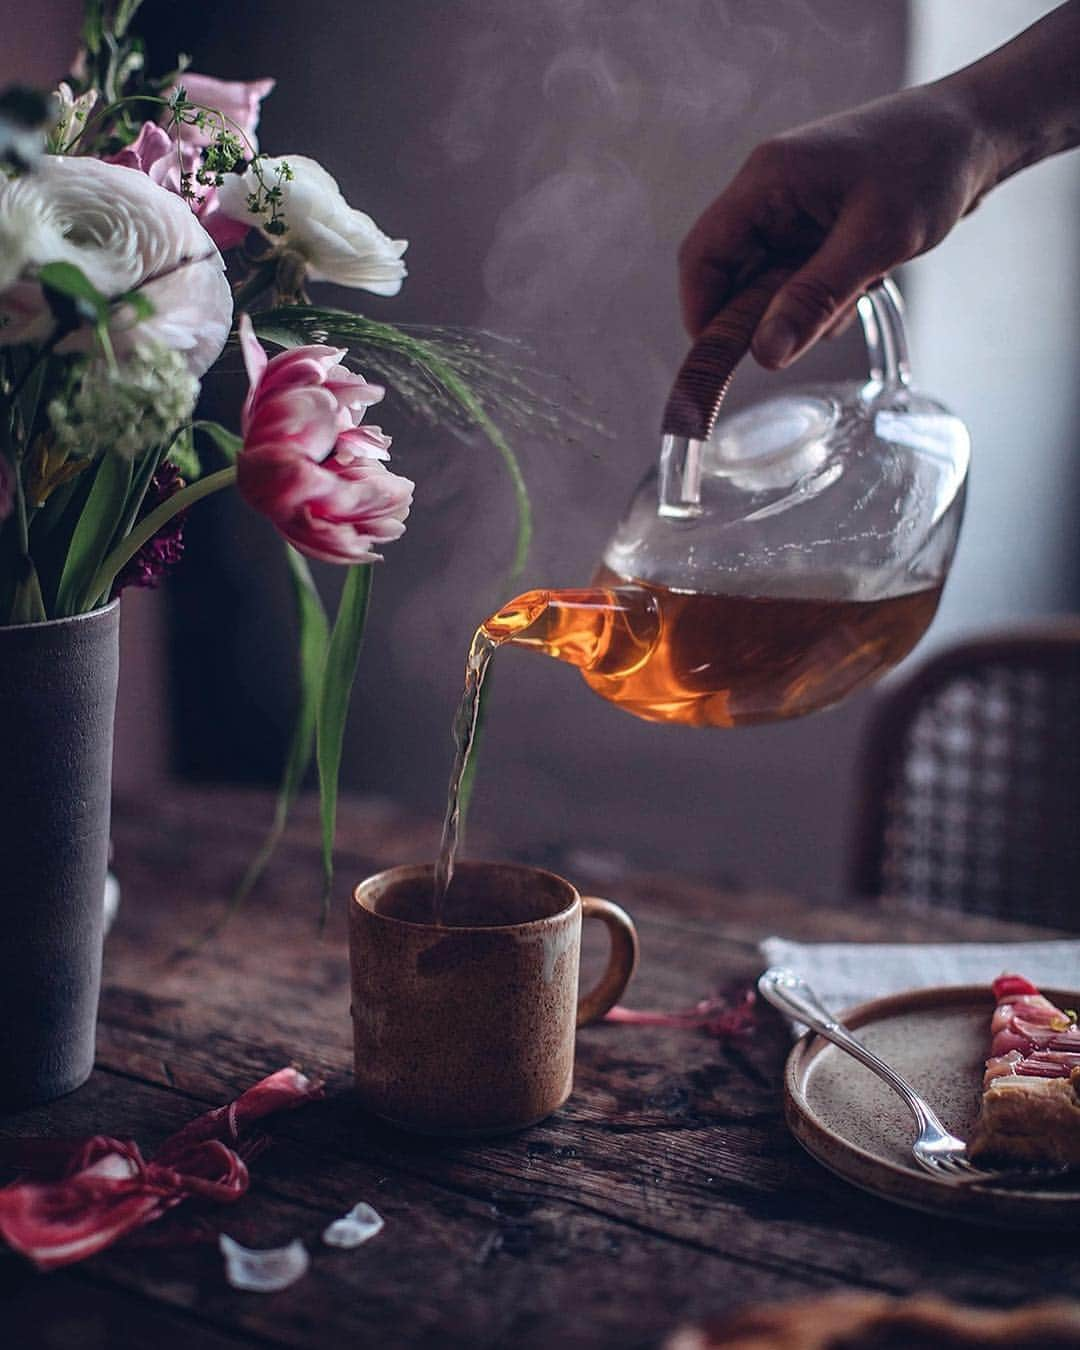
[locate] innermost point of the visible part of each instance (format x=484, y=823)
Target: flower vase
x=57, y=707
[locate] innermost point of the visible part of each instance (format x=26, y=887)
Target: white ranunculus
x=126, y=233
x=338, y=243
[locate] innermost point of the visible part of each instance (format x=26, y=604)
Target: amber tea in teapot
x=715, y=660
x=772, y=563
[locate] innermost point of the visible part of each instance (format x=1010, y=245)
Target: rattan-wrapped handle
x=704, y=377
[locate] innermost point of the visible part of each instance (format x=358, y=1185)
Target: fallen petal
x=719, y=1016
x=263, y=1272
x=358, y=1226
x=281, y=1091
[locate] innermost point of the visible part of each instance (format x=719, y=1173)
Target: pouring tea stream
x=773, y=562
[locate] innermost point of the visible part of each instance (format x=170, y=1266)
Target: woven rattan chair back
x=971, y=781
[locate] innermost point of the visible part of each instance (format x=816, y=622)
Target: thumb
x=851, y=258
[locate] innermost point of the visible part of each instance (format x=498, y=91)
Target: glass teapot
x=776, y=559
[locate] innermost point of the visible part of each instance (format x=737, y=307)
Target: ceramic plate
x=860, y=1129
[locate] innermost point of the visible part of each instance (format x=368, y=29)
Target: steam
x=601, y=130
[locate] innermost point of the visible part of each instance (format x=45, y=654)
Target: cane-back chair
x=971, y=780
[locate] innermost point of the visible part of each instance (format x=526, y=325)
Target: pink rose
x=154, y=152
x=307, y=461
x=237, y=100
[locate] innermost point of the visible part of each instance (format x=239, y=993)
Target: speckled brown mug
x=468, y=1028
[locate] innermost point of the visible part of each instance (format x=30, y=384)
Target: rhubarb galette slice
x=1031, y=1091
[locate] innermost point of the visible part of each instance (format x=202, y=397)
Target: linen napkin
x=845, y=973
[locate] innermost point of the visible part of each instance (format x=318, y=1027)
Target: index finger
x=716, y=258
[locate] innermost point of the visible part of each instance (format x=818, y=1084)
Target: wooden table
x=668, y=1189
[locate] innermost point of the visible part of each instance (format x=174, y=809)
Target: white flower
x=126, y=233
x=71, y=115
x=337, y=243
x=127, y=410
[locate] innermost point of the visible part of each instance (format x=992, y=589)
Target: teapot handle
x=699, y=389
x=705, y=376
x=881, y=311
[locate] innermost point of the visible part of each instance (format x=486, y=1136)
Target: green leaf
x=90, y=540
x=143, y=472
x=141, y=306
x=146, y=528
x=27, y=606
x=313, y=641
x=229, y=444
x=183, y=454
x=52, y=528
x=333, y=707
x=71, y=284
x=93, y=26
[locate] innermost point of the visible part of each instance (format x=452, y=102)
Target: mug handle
x=622, y=961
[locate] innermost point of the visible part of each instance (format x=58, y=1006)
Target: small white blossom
x=337, y=243
x=71, y=115
x=127, y=410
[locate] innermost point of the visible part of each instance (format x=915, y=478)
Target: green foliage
x=92, y=535
x=226, y=441
x=27, y=606
x=342, y=656
x=183, y=454
x=124, y=550
x=72, y=296
x=267, y=197
x=312, y=646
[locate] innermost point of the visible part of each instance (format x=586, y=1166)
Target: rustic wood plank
x=507, y=1267
x=679, y=1137
x=78, y=1312
x=668, y=1188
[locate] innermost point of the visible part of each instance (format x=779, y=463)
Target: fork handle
x=794, y=997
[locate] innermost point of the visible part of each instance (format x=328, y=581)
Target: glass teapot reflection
x=775, y=560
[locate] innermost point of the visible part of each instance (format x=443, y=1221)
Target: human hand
x=838, y=203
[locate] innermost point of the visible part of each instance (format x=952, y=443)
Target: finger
x=841, y=323
x=718, y=254
x=852, y=257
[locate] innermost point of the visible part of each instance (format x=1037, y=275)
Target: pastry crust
x=1031, y=1092
x=1029, y=1120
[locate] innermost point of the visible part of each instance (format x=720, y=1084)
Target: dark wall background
x=544, y=159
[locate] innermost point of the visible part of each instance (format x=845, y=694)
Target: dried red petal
x=281, y=1091
x=91, y=1192
x=718, y=1016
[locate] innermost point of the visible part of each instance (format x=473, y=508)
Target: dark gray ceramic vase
x=57, y=704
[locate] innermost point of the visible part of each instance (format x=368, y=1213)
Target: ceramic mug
x=468, y=1028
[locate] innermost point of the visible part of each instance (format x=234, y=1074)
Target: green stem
x=103, y=114
x=20, y=511
x=149, y=526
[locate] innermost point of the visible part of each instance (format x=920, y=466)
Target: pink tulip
x=307, y=461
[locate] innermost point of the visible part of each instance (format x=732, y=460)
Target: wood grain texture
x=667, y=1189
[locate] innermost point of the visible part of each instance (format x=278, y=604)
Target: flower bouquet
x=142, y=230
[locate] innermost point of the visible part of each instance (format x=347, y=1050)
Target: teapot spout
x=606, y=630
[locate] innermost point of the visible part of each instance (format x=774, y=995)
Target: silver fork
x=934, y=1148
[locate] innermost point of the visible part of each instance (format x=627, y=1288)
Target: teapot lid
x=852, y=490
x=778, y=441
